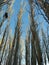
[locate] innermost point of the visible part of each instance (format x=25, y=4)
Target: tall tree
x=18, y=36
x=44, y=5
x=28, y=48
x=36, y=53
x=45, y=44
x=4, y=41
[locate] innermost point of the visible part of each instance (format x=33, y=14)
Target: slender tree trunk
x=28, y=48
x=33, y=53
x=35, y=43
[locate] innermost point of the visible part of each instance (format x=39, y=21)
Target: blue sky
x=16, y=8
x=25, y=20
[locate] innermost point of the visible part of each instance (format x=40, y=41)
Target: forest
x=24, y=32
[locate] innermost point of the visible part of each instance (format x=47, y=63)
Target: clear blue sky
x=25, y=19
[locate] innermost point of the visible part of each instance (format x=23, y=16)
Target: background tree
x=28, y=48
x=35, y=40
x=44, y=5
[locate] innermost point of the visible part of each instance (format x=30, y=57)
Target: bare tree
x=45, y=44
x=36, y=53
x=44, y=5
x=13, y=58
x=4, y=40
x=4, y=34
x=28, y=48
x=18, y=36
